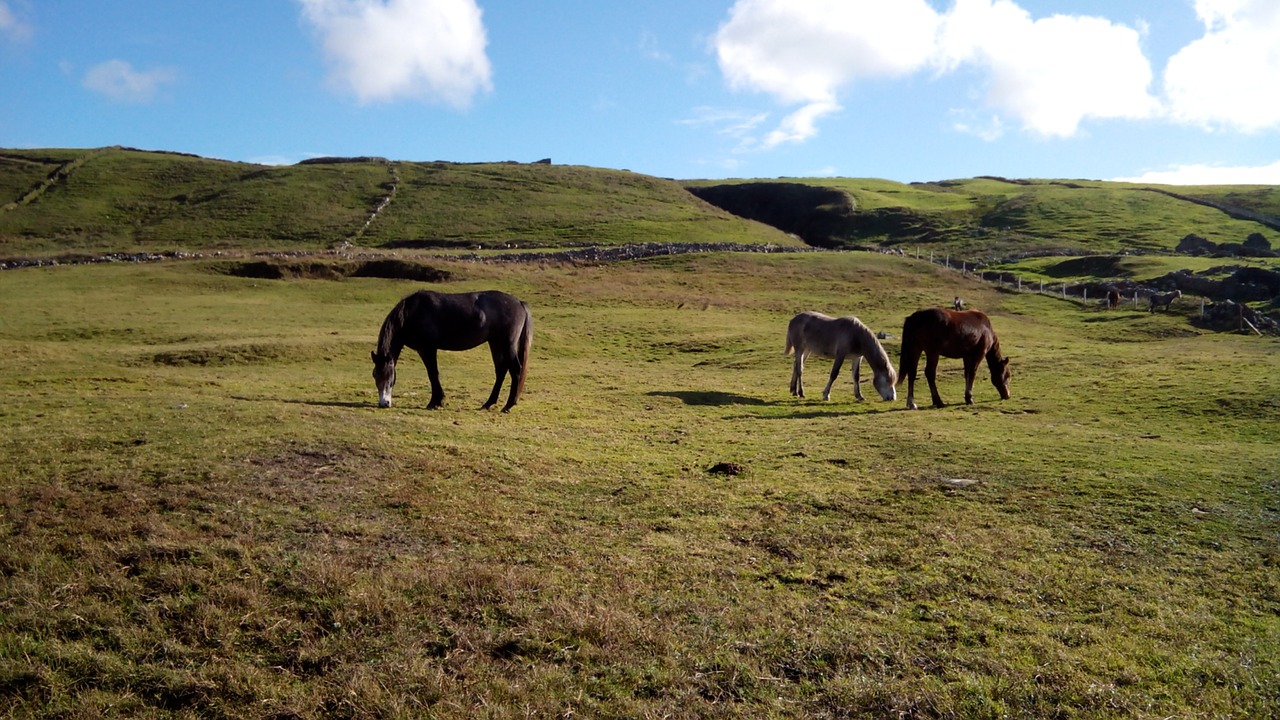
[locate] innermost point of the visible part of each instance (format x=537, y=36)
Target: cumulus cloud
x=1053, y=73
x=13, y=26
x=385, y=50
x=1211, y=175
x=119, y=81
x=1227, y=78
x=804, y=51
x=1048, y=74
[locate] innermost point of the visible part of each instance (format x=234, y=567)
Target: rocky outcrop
x=1256, y=245
x=821, y=216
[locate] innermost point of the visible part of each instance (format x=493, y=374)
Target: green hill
x=986, y=217
x=118, y=199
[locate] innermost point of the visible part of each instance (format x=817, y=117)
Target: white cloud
x=1049, y=74
x=731, y=123
x=800, y=125
x=1227, y=78
x=803, y=51
x=119, y=81
x=1211, y=175
x=384, y=50
x=1052, y=73
x=13, y=26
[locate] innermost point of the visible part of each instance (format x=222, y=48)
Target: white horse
x=837, y=338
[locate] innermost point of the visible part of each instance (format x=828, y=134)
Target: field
x=204, y=514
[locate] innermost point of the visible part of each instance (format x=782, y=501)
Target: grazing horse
x=812, y=332
x=964, y=334
x=428, y=321
x=1159, y=300
x=1113, y=299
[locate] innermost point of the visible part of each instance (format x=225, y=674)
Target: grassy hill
x=984, y=218
x=116, y=199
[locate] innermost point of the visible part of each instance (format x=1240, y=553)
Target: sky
x=1161, y=91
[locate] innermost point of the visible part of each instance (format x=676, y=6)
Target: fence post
x=1042, y=286
x=1086, y=293
x=1019, y=283
x=1064, y=291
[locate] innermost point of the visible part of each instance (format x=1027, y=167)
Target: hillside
x=118, y=199
x=993, y=217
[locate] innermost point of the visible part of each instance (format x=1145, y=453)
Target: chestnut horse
x=964, y=334
x=428, y=321
x=812, y=332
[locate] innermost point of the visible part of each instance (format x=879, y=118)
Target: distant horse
x=428, y=321
x=1164, y=300
x=957, y=304
x=964, y=334
x=1113, y=299
x=837, y=338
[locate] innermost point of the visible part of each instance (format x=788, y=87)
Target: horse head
x=1000, y=376
x=384, y=376
x=885, y=384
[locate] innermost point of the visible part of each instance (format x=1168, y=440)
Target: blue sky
x=910, y=90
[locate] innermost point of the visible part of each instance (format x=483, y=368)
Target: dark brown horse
x=1113, y=299
x=964, y=334
x=429, y=321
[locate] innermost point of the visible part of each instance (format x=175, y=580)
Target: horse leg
x=835, y=373
x=910, y=371
x=433, y=374
x=970, y=371
x=857, y=378
x=797, y=374
x=513, y=367
x=501, y=366
x=931, y=374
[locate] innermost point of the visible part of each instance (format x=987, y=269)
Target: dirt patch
x=301, y=268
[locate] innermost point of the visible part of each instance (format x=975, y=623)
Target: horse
x=428, y=321
x=1158, y=300
x=1113, y=299
x=964, y=334
x=957, y=304
x=837, y=338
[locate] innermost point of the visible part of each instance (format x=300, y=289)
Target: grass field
x=205, y=515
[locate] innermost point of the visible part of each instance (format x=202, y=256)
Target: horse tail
x=526, y=342
x=793, y=331
x=908, y=353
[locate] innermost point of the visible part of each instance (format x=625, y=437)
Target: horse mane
x=993, y=352
x=389, y=343
x=874, y=352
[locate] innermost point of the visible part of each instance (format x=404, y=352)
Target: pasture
x=204, y=513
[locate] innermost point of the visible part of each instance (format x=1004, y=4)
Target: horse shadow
x=314, y=403
x=709, y=398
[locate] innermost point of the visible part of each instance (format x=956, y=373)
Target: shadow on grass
x=315, y=403
x=712, y=398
